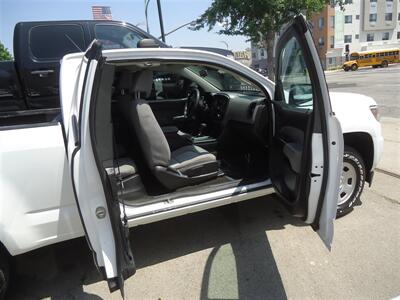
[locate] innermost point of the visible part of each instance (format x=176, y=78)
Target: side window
x=116, y=37
x=52, y=42
x=168, y=85
x=294, y=80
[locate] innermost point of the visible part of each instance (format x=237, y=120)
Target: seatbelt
x=118, y=176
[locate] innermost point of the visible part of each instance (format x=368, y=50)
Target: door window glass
x=294, y=80
x=116, y=37
x=53, y=42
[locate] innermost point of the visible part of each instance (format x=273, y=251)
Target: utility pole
x=161, y=21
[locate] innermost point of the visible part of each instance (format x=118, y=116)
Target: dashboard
x=233, y=114
x=229, y=106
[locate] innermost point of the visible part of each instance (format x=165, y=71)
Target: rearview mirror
x=203, y=73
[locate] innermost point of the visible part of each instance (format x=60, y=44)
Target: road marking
x=388, y=173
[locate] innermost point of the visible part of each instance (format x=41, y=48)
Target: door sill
x=185, y=205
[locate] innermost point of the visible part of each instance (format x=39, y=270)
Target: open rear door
x=307, y=142
x=106, y=232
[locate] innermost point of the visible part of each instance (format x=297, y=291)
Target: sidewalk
x=390, y=160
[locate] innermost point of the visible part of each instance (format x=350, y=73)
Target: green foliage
x=4, y=54
x=255, y=18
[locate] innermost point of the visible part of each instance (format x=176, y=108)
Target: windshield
x=224, y=80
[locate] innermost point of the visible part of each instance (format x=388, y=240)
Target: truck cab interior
x=184, y=129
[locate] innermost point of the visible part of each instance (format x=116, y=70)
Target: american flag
x=101, y=13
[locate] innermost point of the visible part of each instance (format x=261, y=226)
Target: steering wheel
x=192, y=103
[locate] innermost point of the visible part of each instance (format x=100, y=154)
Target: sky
x=175, y=13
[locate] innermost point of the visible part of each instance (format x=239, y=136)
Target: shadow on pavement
x=61, y=270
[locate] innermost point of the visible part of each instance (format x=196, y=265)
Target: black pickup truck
x=29, y=85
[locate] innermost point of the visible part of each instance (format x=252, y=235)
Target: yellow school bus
x=376, y=58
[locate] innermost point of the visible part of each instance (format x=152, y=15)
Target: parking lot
x=252, y=250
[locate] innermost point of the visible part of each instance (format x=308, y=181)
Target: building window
x=348, y=1
x=262, y=52
x=253, y=55
x=385, y=36
x=332, y=21
x=370, y=37
x=373, y=17
x=347, y=38
x=321, y=22
x=321, y=41
x=398, y=35
x=388, y=17
x=332, y=42
x=357, y=36
x=398, y=17
x=348, y=19
x=372, y=1
x=357, y=17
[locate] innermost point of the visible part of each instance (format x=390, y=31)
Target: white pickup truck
x=150, y=134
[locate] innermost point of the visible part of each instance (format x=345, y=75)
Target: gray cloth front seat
x=187, y=165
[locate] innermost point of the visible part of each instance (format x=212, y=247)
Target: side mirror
x=148, y=43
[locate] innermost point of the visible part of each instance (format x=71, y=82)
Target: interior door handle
x=42, y=73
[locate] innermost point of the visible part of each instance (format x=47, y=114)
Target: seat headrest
x=125, y=82
x=142, y=83
x=138, y=84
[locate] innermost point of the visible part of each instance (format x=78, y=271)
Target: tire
x=4, y=273
x=354, y=67
x=375, y=66
x=346, y=69
x=351, y=182
x=384, y=64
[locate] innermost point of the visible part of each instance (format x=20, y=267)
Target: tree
x=4, y=54
x=257, y=19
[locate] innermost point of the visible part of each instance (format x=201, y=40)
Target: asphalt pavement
x=254, y=249
x=382, y=84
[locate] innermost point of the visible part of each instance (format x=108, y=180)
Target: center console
x=206, y=142
x=177, y=139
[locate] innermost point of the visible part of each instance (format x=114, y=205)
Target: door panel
x=99, y=210
x=307, y=144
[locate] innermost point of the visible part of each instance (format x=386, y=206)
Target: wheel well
x=362, y=142
x=4, y=250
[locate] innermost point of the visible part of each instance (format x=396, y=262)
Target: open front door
x=307, y=144
x=107, y=234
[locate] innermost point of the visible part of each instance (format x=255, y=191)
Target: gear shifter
x=203, y=127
